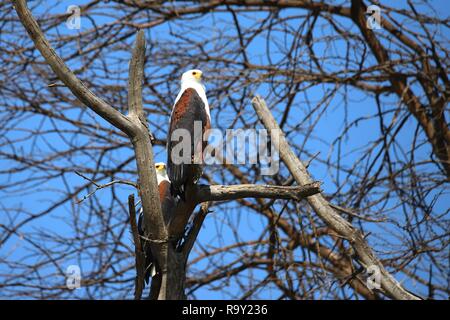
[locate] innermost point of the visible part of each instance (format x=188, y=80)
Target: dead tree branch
x=325, y=211
x=222, y=193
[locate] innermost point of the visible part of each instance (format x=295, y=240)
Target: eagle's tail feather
x=177, y=179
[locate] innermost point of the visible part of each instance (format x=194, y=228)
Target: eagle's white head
x=194, y=76
x=161, y=173
x=193, y=79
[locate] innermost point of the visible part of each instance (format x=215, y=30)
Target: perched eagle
x=190, y=110
x=166, y=201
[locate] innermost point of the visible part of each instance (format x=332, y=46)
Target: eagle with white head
x=191, y=106
x=167, y=205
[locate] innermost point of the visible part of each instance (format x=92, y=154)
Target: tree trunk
x=171, y=280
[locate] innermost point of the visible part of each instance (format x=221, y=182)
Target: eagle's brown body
x=188, y=109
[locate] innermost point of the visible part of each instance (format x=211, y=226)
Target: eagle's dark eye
x=194, y=73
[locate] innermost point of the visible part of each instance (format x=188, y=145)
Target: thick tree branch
x=135, y=78
x=325, y=211
x=155, y=228
x=234, y=192
x=148, y=186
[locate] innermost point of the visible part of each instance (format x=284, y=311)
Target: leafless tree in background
x=374, y=102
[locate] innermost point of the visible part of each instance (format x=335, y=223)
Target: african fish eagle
x=190, y=107
x=166, y=200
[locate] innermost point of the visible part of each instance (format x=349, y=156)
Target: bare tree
x=384, y=204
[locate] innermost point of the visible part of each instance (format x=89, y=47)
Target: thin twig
x=102, y=186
